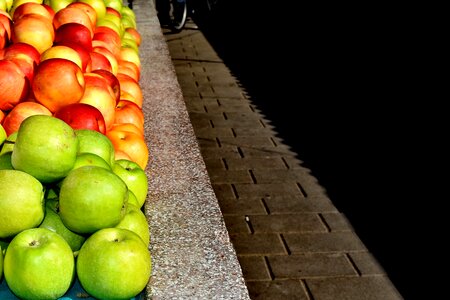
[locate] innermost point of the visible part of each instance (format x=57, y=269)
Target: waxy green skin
x=39, y=264
x=92, y=198
x=90, y=159
x=135, y=220
x=114, y=263
x=21, y=202
x=135, y=178
x=53, y=222
x=1, y=263
x=92, y=141
x=46, y=148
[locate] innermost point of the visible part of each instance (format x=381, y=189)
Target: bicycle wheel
x=177, y=14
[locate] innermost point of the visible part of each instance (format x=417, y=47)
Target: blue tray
x=76, y=292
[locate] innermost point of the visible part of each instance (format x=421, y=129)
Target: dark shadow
x=334, y=82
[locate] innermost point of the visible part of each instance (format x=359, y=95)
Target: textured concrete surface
x=192, y=255
x=291, y=241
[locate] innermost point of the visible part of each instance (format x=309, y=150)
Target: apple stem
x=34, y=243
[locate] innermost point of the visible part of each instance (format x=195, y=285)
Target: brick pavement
x=291, y=241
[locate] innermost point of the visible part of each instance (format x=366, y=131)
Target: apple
x=131, y=86
x=26, y=65
x=91, y=159
x=82, y=116
x=58, y=82
x=110, y=56
x=98, y=5
x=107, y=39
x=129, y=68
x=72, y=15
x=39, y=264
x=61, y=51
x=20, y=112
x=135, y=33
x=31, y=8
x=14, y=86
x=132, y=144
x=130, y=55
x=99, y=94
x=128, y=127
x=114, y=263
x=88, y=9
x=104, y=22
x=34, y=29
x=3, y=135
x=130, y=43
x=8, y=144
x=135, y=220
x=119, y=154
x=132, y=199
x=2, y=115
x=46, y=147
x=1, y=258
x=4, y=38
x=129, y=112
x=112, y=81
x=6, y=21
x=84, y=54
x=52, y=221
x=3, y=7
x=92, y=198
x=57, y=5
x=134, y=177
x=92, y=141
x=100, y=62
x=74, y=33
x=17, y=3
x=115, y=5
x=21, y=202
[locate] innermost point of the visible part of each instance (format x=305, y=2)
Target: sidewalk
x=291, y=241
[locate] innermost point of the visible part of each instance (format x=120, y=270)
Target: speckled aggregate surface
x=192, y=255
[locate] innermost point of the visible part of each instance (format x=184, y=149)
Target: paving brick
x=207, y=142
x=240, y=123
x=323, y=242
x=272, y=151
x=337, y=222
x=255, y=141
x=216, y=152
x=254, y=268
x=301, y=222
x=267, y=190
x=250, y=206
x=213, y=164
x=212, y=133
x=255, y=163
x=241, y=115
x=258, y=244
x=223, y=190
x=310, y=265
x=277, y=290
x=236, y=224
x=237, y=106
x=366, y=263
x=225, y=176
x=357, y=288
x=282, y=204
x=260, y=132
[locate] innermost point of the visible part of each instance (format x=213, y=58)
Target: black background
x=345, y=87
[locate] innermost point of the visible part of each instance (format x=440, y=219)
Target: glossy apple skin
x=91, y=141
x=129, y=112
x=135, y=220
x=74, y=33
x=14, y=86
x=23, y=49
x=73, y=15
x=61, y=51
x=131, y=86
x=31, y=8
x=34, y=29
x=39, y=264
x=112, y=81
x=20, y=112
x=132, y=144
x=58, y=82
x=82, y=116
x=135, y=178
x=114, y=263
x=92, y=198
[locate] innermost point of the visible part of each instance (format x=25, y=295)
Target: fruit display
x=72, y=151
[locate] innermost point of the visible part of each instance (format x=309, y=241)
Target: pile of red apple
x=72, y=150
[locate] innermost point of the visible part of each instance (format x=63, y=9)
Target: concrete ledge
x=190, y=246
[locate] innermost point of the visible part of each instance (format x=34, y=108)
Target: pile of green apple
x=69, y=210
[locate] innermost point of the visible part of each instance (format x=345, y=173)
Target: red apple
x=131, y=86
x=14, y=86
x=108, y=38
x=84, y=54
x=136, y=35
x=100, y=62
x=82, y=116
x=34, y=29
x=58, y=82
x=129, y=112
x=129, y=54
x=72, y=15
x=31, y=8
x=61, y=51
x=111, y=10
x=7, y=24
x=130, y=69
x=88, y=9
x=19, y=49
x=112, y=80
x=4, y=38
x=74, y=33
x=110, y=56
x=99, y=94
x=20, y=112
x=26, y=64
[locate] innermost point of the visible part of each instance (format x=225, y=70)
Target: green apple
x=8, y=144
x=3, y=135
x=90, y=159
x=128, y=21
x=92, y=198
x=46, y=147
x=132, y=198
x=4, y=244
x=53, y=222
x=130, y=43
x=92, y=141
x=134, y=177
x=136, y=221
x=5, y=161
x=126, y=11
x=3, y=7
x=57, y=5
x=116, y=4
x=21, y=202
x=39, y=264
x=114, y=263
x=1, y=263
